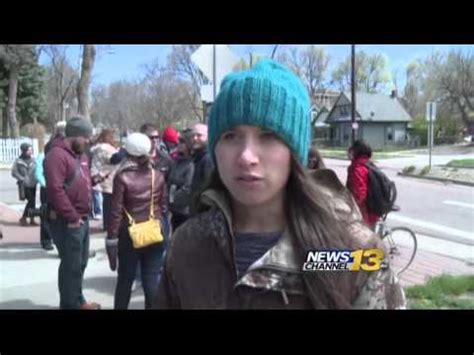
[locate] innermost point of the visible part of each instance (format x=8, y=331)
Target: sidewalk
x=29, y=274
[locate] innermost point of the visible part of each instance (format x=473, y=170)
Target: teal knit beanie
x=269, y=96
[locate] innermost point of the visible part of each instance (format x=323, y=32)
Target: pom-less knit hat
x=78, y=127
x=24, y=147
x=171, y=135
x=269, y=96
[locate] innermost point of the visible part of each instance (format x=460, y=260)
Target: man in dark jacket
x=203, y=163
x=68, y=186
x=24, y=171
x=180, y=180
x=160, y=160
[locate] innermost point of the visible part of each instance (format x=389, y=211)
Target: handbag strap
x=152, y=209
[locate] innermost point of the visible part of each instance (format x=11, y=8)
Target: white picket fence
x=10, y=148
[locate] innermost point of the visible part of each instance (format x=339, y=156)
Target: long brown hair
x=313, y=224
x=106, y=136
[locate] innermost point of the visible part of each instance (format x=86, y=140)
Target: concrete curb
x=457, y=167
x=376, y=160
x=458, y=182
x=336, y=158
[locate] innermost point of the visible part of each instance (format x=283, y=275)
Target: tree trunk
x=12, y=94
x=3, y=115
x=464, y=114
x=85, y=80
x=60, y=111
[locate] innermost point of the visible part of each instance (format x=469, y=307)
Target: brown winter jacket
x=200, y=271
x=132, y=190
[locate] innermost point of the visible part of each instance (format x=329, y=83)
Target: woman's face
x=183, y=150
x=312, y=162
x=254, y=164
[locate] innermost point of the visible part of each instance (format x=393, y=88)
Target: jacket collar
x=362, y=160
x=128, y=164
x=199, y=154
x=281, y=256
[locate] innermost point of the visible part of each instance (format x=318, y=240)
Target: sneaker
x=33, y=223
x=92, y=253
x=136, y=285
x=23, y=222
x=48, y=247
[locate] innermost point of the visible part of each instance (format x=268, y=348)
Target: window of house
x=389, y=133
x=344, y=111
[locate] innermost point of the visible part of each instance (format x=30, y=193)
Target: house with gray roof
x=381, y=120
x=321, y=129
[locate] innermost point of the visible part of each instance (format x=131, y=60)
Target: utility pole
x=353, y=95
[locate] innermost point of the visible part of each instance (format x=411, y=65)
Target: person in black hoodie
x=180, y=180
x=203, y=163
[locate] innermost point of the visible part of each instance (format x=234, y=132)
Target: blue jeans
x=73, y=249
x=45, y=232
x=166, y=234
x=149, y=259
x=96, y=202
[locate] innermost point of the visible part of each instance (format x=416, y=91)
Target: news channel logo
x=345, y=260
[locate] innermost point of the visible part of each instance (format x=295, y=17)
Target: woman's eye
x=268, y=135
x=229, y=136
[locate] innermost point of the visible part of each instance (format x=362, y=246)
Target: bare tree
x=315, y=65
x=88, y=58
x=453, y=78
x=15, y=56
x=448, y=79
x=179, y=62
x=309, y=63
x=371, y=73
x=290, y=56
x=413, y=88
x=63, y=80
x=167, y=97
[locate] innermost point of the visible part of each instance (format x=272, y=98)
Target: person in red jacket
x=358, y=179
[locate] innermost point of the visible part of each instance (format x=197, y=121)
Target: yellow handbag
x=149, y=232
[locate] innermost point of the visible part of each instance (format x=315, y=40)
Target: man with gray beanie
x=68, y=185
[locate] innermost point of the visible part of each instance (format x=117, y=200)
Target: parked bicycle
x=400, y=242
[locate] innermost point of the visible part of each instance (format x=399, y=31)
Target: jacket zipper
x=283, y=292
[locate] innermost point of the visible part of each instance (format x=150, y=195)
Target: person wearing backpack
x=358, y=179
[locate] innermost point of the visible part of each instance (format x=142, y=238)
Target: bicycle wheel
x=401, y=245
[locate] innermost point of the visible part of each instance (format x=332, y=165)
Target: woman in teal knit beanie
x=262, y=212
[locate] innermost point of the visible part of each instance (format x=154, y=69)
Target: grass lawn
x=446, y=291
x=464, y=163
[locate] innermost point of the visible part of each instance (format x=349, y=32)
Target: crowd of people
x=212, y=217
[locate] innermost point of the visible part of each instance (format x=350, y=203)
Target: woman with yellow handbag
x=134, y=233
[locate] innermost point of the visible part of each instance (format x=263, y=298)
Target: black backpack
x=382, y=193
